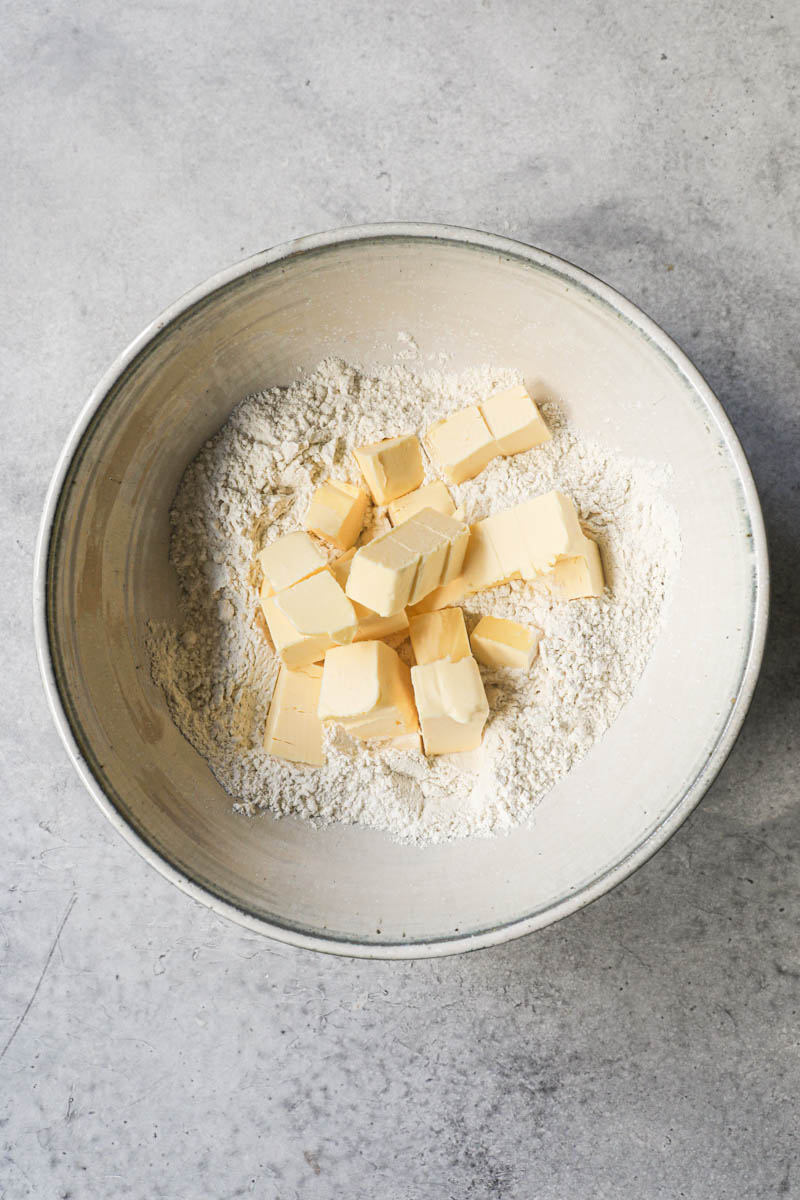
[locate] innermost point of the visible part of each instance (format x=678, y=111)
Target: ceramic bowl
x=102, y=572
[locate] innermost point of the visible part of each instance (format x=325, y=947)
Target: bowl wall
x=105, y=572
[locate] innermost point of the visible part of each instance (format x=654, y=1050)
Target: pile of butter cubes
x=328, y=619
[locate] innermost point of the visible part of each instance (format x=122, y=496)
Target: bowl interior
x=108, y=573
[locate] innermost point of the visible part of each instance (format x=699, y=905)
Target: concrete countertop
x=646, y=1047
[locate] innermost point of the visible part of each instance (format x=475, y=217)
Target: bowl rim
x=506, y=247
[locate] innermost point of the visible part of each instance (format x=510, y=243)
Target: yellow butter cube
x=456, y=533
x=497, y=642
x=492, y=553
x=461, y=444
x=337, y=513
x=514, y=420
x=371, y=626
x=539, y=539
x=289, y=559
x=308, y=618
x=451, y=703
x=552, y=534
x=439, y=634
x=382, y=575
x=429, y=549
x=391, y=467
x=581, y=575
x=405, y=564
x=433, y=495
x=294, y=730
x=441, y=597
x=411, y=743
x=366, y=688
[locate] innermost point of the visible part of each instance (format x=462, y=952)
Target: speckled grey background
x=646, y=1047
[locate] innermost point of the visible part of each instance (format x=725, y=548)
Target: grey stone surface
x=647, y=1046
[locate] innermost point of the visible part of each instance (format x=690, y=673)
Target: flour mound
x=253, y=481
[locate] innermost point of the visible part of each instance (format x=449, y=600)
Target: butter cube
x=552, y=533
x=382, y=575
x=550, y=530
x=318, y=605
x=289, y=559
x=580, y=576
x=514, y=420
x=532, y=540
x=391, y=467
x=371, y=626
x=441, y=597
x=500, y=643
x=430, y=550
x=492, y=553
x=440, y=634
x=402, y=566
x=540, y=539
x=432, y=495
x=308, y=618
x=483, y=566
x=337, y=513
x=461, y=444
x=366, y=688
x=456, y=533
x=411, y=743
x=451, y=703
x=294, y=730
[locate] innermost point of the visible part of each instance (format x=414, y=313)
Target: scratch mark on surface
x=754, y=841
x=730, y=1016
x=35, y=992
x=633, y=954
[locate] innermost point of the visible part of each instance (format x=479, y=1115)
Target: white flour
x=253, y=481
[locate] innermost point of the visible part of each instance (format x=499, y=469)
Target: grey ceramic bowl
x=102, y=571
